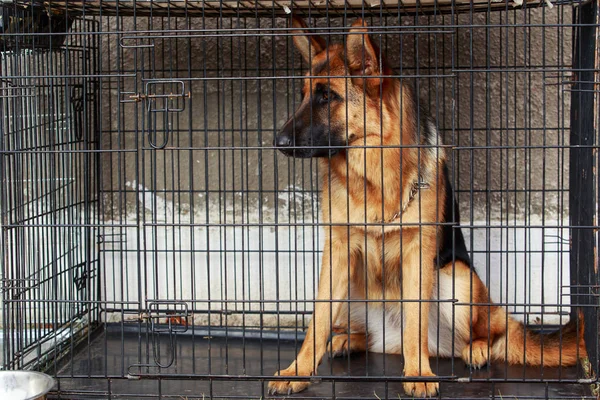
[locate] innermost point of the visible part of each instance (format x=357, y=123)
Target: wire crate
x=157, y=244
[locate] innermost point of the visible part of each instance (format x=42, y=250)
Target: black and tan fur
x=348, y=105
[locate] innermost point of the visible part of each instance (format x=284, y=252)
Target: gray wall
x=517, y=103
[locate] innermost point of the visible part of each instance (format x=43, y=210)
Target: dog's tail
x=519, y=345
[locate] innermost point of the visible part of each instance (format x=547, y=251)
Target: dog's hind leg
x=342, y=345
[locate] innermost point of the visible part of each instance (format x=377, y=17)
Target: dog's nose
x=282, y=141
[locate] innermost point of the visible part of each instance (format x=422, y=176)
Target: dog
x=388, y=210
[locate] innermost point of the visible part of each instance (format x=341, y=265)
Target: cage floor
x=111, y=353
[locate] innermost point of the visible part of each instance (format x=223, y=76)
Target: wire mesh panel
x=146, y=195
x=48, y=108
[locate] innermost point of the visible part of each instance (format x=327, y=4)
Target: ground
x=111, y=353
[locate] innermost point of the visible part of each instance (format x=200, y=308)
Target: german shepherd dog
x=383, y=164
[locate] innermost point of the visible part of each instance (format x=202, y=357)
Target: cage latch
x=15, y=288
x=166, y=318
x=170, y=318
x=164, y=96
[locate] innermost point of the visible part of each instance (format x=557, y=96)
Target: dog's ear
x=309, y=45
x=362, y=54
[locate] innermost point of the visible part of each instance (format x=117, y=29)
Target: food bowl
x=24, y=385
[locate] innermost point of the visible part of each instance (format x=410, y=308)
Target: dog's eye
x=324, y=95
x=328, y=96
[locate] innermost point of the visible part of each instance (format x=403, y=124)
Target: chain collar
x=414, y=189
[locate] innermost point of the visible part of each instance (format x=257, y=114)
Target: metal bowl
x=24, y=385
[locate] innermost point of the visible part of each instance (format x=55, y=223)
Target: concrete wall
x=516, y=103
x=486, y=86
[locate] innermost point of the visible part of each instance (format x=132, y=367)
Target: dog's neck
x=389, y=184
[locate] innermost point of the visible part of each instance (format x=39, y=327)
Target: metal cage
x=156, y=245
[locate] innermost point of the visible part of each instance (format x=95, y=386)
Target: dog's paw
x=288, y=387
x=343, y=345
x=476, y=354
x=338, y=346
x=422, y=389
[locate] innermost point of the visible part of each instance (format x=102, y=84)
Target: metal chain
x=414, y=189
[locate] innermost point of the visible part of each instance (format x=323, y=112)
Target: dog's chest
x=382, y=262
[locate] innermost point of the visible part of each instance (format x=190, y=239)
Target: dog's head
x=341, y=95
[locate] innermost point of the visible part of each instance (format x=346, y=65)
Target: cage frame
x=582, y=154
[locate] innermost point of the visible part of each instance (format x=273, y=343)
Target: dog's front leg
x=333, y=285
x=417, y=282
